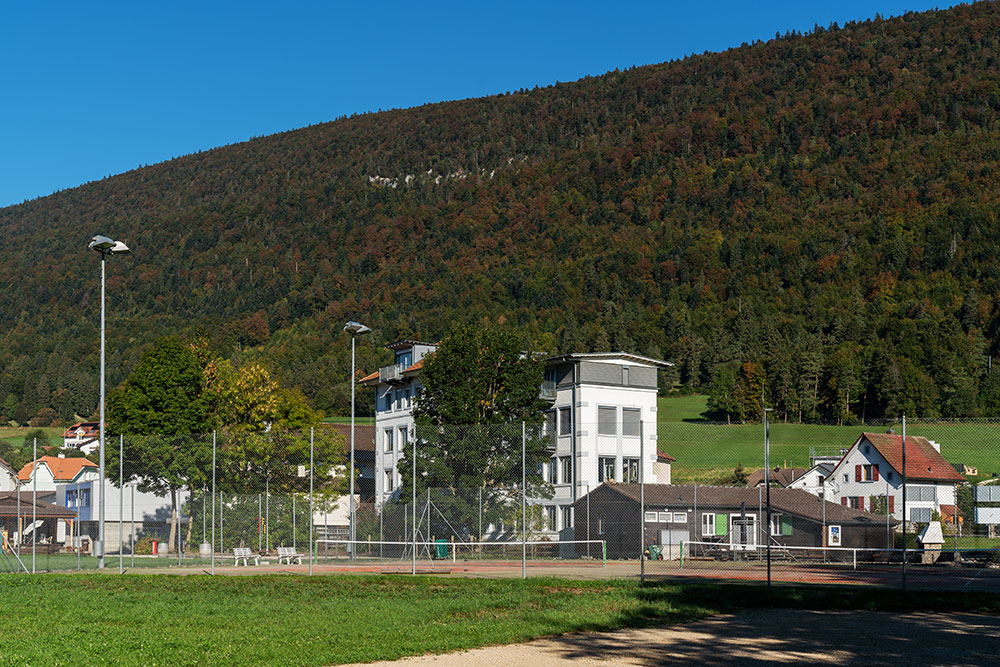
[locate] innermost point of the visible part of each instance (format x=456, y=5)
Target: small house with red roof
x=55, y=470
x=80, y=434
x=870, y=477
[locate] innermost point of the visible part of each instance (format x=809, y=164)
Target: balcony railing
x=391, y=373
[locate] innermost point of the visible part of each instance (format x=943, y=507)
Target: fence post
x=180, y=522
x=312, y=433
x=132, y=539
x=121, y=501
x=642, y=503
x=413, y=555
x=904, y=502
x=34, y=500
x=524, y=502
x=222, y=533
x=213, y=502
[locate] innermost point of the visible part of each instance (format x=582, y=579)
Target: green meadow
x=706, y=452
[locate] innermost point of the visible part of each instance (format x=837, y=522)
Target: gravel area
x=760, y=637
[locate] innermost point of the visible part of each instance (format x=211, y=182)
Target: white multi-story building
x=396, y=386
x=869, y=477
x=602, y=423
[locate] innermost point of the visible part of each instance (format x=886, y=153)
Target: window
x=404, y=438
x=567, y=469
x=553, y=471
x=407, y=399
x=405, y=359
x=564, y=421
x=630, y=470
x=707, y=524
x=607, y=421
x=606, y=469
x=855, y=502
x=924, y=493
x=680, y=517
x=550, y=422
x=632, y=421
x=866, y=472
x=387, y=441
x=920, y=514
x=390, y=481
x=781, y=524
x=550, y=511
x=665, y=517
x=567, y=516
x=846, y=477
x=651, y=517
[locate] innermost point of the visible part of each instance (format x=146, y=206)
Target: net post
x=312, y=434
x=682, y=554
x=604, y=553
x=213, y=503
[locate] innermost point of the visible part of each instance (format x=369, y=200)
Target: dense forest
x=815, y=215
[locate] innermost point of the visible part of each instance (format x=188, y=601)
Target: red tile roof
x=63, y=470
x=663, y=456
x=923, y=462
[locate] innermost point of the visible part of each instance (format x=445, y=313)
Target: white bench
x=246, y=555
x=288, y=553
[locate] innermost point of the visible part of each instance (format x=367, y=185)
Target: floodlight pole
x=105, y=246
x=99, y=547
x=355, y=329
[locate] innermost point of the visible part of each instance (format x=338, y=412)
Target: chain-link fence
x=787, y=502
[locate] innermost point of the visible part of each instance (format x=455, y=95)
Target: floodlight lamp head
x=101, y=244
x=356, y=329
x=106, y=246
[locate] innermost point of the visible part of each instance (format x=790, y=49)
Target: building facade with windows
x=601, y=424
x=869, y=477
x=396, y=386
x=603, y=427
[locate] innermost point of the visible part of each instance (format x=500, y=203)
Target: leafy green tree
x=479, y=387
x=164, y=413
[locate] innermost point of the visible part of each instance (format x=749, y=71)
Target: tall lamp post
x=355, y=329
x=105, y=246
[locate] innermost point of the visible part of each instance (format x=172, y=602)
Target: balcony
x=392, y=374
x=547, y=392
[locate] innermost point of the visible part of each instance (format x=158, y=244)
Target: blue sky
x=90, y=91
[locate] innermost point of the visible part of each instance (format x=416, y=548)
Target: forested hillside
x=817, y=213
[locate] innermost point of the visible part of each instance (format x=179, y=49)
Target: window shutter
x=875, y=472
x=721, y=523
x=843, y=501
x=892, y=504
x=786, y=524
x=857, y=473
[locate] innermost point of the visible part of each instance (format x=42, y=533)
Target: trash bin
x=655, y=552
x=440, y=548
x=153, y=551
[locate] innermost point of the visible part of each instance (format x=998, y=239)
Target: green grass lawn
x=293, y=620
x=347, y=420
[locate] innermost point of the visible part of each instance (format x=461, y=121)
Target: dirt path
x=761, y=637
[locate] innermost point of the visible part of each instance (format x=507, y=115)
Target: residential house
x=81, y=434
x=812, y=479
x=51, y=471
x=870, y=477
x=729, y=516
x=601, y=420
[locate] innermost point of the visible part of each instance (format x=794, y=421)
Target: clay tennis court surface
x=759, y=637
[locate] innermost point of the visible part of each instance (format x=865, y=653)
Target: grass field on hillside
x=293, y=620
x=705, y=452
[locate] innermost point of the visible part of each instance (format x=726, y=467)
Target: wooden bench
x=246, y=555
x=287, y=554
